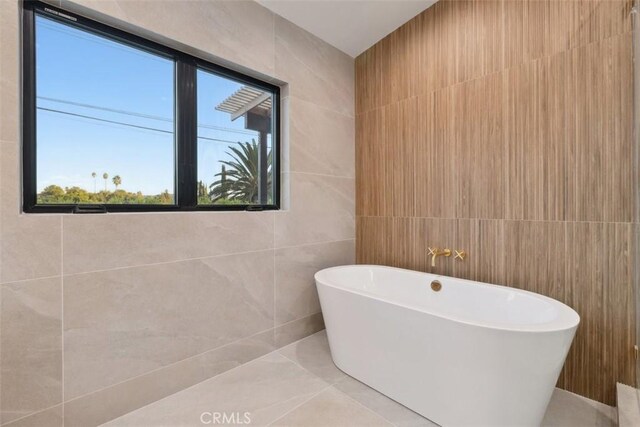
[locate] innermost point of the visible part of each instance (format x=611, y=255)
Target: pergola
x=255, y=106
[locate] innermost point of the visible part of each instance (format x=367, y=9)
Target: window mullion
x=186, y=127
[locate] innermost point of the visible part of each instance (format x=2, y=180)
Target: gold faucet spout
x=435, y=252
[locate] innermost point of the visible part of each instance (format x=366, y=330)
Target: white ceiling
x=352, y=26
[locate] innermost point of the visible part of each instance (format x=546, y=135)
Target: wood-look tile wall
x=505, y=128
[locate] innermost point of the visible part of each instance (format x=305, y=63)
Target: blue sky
x=83, y=77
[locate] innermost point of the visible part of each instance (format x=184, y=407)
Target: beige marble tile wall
x=103, y=314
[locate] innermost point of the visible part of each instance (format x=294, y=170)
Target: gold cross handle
x=460, y=255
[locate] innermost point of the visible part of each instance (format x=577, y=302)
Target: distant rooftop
x=245, y=99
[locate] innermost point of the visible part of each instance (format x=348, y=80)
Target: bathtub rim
x=570, y=321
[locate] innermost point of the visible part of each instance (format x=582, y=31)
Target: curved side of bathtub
x=455, y=374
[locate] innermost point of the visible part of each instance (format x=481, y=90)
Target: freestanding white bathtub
x=471, y=354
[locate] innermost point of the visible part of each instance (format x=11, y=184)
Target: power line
x=104, y=120
x=111, y=110
x=130, y=125
x=101, y=40
x=119, y=46
x=141, y=115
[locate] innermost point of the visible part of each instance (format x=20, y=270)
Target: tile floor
x=299, y=385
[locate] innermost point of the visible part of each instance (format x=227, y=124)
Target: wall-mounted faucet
x=435, y=252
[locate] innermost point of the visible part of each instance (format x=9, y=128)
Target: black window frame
x=185, y=118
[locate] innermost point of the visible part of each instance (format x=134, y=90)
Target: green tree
x=117, y=181
x=202, y=189
x=219, y=189
x=240, y=182
x=203, y=194
x=166, y=197
x=105, y=176
x=77, y=195
x=51, y=194
x=54, y=194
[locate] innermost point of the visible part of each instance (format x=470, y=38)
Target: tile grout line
x=198, y=383
x=331, y=385
x=366, y=407
x=316, y=243
x=301, y=403
x=177, y=261
x=311, y=71
x=273, y=39
x=304, y=396
x=189, y=358
x=62, y=309
x=175, y=363
x=40, y=411
x=150, y=372
x=61, y=404
x=12, y=282
x=274, y=279
x=302, y=367
x=290, y=172
x=500, y=219
x=1, y=289
x=169, y=262
x=277, y=350
x=322, y=107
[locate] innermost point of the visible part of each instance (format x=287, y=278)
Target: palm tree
x=93, y=175
x=224, y=183
x=202, y=189
x=117, y=181
x=105, y=176
x=242, y=178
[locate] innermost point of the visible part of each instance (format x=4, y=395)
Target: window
x=113, y=122
x=234, y=142
x=104, y=119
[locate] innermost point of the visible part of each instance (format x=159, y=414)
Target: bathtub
x=470, y=354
